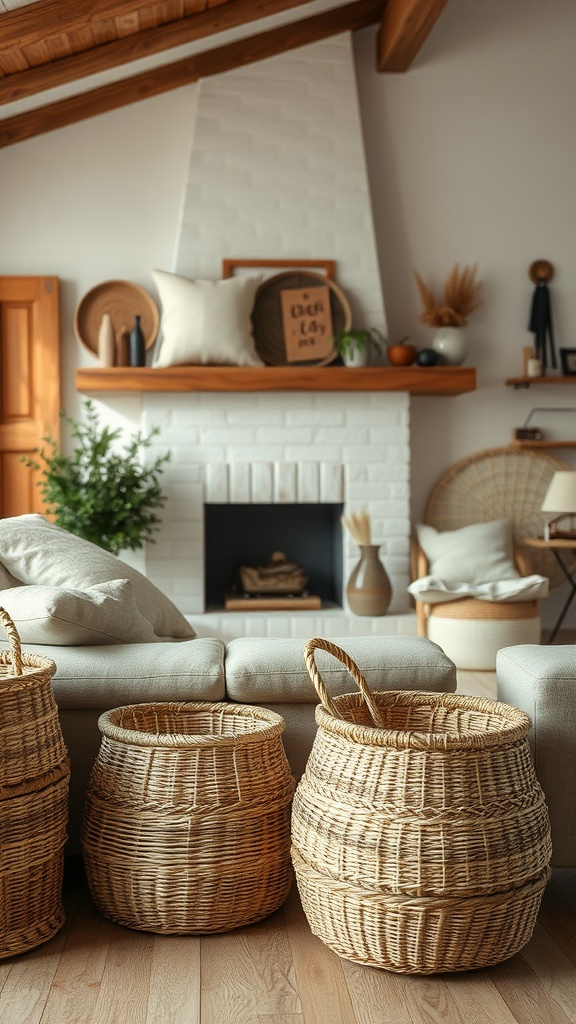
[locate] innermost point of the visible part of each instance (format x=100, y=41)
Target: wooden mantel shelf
x=417, y=380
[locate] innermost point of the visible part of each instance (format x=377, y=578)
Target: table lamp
x=561, y=498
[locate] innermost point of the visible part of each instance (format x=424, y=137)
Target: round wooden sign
x=281, y=316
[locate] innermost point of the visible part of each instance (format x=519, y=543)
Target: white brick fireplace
x=287, y=447
x=277, y=171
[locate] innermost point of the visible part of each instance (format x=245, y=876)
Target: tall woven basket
x=187, y=821
x=34, y=778
x=420, y=836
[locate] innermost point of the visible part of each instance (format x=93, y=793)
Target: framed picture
x=229, y=267
x=568, y=360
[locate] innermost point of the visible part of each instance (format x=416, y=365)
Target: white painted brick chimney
x=277, y=171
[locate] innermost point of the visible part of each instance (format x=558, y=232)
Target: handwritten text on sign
x=307, y=323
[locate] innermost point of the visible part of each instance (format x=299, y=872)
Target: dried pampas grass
x=359, y=526
x=461, y=298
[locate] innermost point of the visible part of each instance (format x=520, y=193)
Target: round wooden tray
x=267, y=315
x=123, y=301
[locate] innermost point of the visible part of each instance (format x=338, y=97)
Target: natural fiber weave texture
x=187, y=823
x=417, y=842
x=498, y=483
x=34, y=779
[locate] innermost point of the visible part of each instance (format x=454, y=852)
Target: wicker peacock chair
x=497, y=483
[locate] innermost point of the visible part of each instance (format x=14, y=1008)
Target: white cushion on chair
x=474, y=561
x=479, y=553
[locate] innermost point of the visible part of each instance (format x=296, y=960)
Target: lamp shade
x=561, y=493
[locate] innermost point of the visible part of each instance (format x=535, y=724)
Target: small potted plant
x=101, y=493
x=400, y=353
x=355, y=346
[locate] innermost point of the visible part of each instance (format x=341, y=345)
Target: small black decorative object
x=137, y=345
x=568, y=361
x=541, y=272
x=427, y=357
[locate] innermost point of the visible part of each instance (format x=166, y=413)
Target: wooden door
x=29, y=384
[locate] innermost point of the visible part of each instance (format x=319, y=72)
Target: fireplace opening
x=236, y=534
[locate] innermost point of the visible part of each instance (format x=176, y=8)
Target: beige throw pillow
x=41, y=554
x=206, y=321
x=479, y=553
x=103, y=614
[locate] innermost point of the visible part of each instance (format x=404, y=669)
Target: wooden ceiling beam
x=404, y=28
x=137, y=46
x=349, y=18
x=36, y=22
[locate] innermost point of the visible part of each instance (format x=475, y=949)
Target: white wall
x=97, y=201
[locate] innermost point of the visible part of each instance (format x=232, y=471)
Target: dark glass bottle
x=137, y=345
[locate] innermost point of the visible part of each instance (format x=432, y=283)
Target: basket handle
x=325, y=645
x=14, y=641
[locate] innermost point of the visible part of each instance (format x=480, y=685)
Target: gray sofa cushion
x=107, y=677
x=39, y=553
x=269, y=670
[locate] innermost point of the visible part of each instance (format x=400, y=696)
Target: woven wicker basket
x=34, y=779
x=421, y=840
x=187, y=822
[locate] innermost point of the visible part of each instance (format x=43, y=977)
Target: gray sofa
x=542, y=682
x=116, y=640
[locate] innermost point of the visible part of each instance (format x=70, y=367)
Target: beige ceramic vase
x=369, y=591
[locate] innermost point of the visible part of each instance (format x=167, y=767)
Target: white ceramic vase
x=106, y=341
x=450, y=344
x=357, y=357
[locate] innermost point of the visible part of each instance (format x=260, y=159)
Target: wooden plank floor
x=277, y=972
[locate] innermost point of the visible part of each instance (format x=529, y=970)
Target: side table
x=558, y=546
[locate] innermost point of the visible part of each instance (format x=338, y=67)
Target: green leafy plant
x=346, y=342
x=101, y=492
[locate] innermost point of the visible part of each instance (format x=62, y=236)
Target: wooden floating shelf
x=526, y=382
x=417, y=380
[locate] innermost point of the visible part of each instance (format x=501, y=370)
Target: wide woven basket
x=34, y=780
x=420, y=835
x=187, y=821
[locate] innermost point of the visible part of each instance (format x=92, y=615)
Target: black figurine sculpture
x=541, y=272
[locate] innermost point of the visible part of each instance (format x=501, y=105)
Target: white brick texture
x=277, y=170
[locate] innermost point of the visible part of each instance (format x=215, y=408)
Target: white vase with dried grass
x=450, y=316
x=451, y=345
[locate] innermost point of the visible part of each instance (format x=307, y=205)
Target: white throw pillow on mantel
x=206, y=321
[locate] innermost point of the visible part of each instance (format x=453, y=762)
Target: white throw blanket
x=433, y=590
